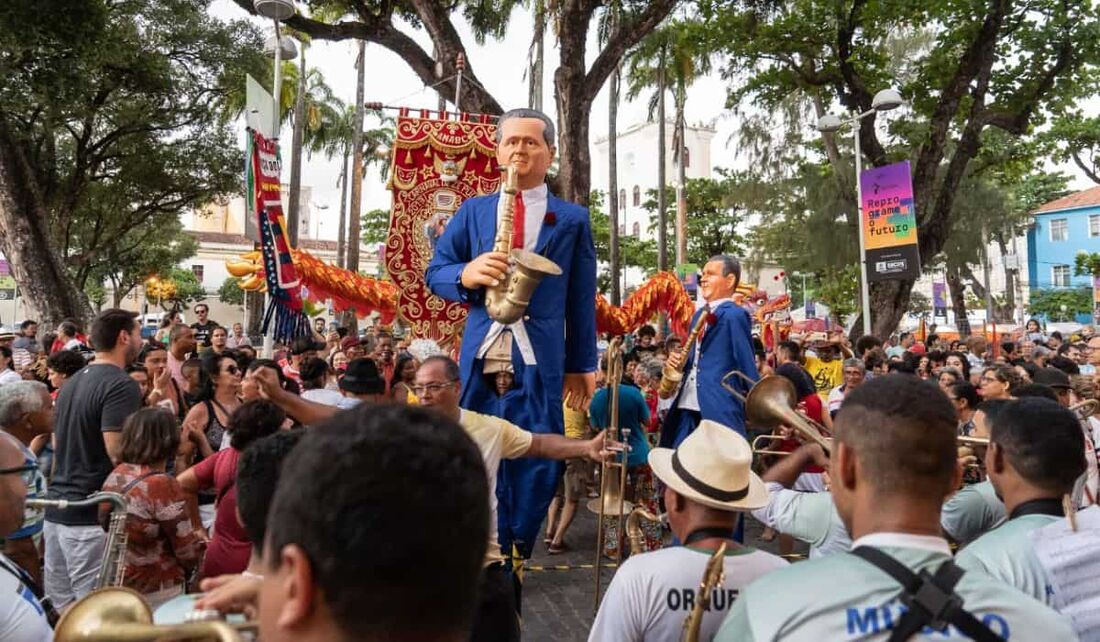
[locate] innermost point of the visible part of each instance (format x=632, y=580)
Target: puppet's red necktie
x=518, y=222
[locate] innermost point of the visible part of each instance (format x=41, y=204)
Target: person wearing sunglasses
x=204, y=427
x=26, y=411
x=22, y=616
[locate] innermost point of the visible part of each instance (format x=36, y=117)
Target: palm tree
x=672, y=57
x=609, y=19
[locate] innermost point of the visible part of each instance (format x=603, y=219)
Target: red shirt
x=814, y=409
x=651, y=401
x=229, y=548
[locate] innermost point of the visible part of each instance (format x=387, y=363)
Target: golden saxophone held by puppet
x=507, y=301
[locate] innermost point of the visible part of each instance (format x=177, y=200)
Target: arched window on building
x=637, y=196
x=622, y=229
x=622, y=199
x=637, y=230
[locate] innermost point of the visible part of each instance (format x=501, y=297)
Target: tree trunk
x=254, y=312
x=355, y=209
x=25, y=240
x=535, y=70
x=681, y=178
x=342, y=232
x=958, y=301
x=613, y=184
x=574, y=108
x=294, y=199
x=1001, y=313
x=662, y=198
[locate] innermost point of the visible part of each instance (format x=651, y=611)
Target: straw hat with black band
x=713, y=467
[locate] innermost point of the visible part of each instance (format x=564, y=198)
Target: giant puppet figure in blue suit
x=553, y=347
x=726, y=344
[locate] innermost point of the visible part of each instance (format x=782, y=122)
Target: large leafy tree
x=972, y=69
x=400, y=27
x=111, y=122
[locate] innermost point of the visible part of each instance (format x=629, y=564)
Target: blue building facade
x=1060, y=230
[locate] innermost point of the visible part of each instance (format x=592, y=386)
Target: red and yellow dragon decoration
x=662, y=293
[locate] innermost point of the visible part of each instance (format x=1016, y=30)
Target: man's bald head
x=12, y=489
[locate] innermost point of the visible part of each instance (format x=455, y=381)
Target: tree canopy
x=972, y=73
x=112, y=123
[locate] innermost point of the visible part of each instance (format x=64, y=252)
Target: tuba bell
x=116, y=613
x=507, y=301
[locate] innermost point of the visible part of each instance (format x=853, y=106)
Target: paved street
x=557, y=604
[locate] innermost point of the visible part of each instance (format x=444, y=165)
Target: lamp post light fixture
x=277, y=10
x=884, y=100
x=287, y=49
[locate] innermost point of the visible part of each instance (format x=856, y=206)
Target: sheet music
x=1072, y=563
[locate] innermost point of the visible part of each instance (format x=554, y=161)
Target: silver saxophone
x=113, y=567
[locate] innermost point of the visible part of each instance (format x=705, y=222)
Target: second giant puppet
x=724, y=345
x=551, y=350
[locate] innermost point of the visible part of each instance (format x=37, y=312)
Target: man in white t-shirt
x=854, y=374
x=809, y=517
x=708, y=479
x=1035, y=455
x=438, y=387
x=892, y=463
x=22, y=618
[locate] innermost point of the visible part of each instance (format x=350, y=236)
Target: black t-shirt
x=203, y=332
x=96, y=400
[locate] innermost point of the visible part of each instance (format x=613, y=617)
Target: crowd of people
x=352, y=488
x=192, y=433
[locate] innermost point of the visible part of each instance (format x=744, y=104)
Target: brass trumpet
x=116, y=613
x=972, y=441
x=612, y=485
x=771, y=402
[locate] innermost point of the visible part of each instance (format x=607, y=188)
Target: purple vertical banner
x=1096, y=299
x=889, y=219
x=939, y=299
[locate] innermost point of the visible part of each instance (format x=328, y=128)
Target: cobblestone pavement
x=557, y=604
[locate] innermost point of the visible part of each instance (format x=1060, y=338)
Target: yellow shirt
x=826, y=375
x=576, y=422
x=496, y=439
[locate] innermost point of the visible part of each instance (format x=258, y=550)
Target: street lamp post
x=884, y=100
x=277, y=11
